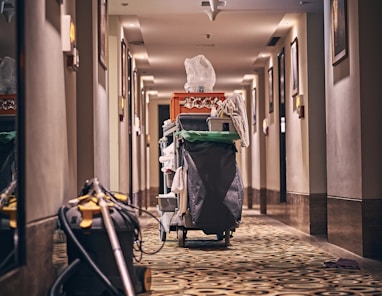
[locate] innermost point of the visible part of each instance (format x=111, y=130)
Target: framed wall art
x=338, y=27
x=270, y=89
x=295, y=65
x=102, y=32
x=123, y=81
x=123, y=69
x=254, y=105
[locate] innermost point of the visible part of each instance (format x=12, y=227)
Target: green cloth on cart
x=209, y=136
x=6, y=137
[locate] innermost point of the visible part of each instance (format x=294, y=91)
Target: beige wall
x=50, y=116
x=343, y=114
x=353, y=106
x=296, y=131
x=119, y=130
x=271, y=156
x=306, y=157
x=315, y=103
x=297, y=145
x=92, y=100
x=113, y=111
x=258, y=152
x=51, y=113
x=101, y=108
x=305, y=137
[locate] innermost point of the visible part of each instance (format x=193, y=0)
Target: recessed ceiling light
x=273, y=41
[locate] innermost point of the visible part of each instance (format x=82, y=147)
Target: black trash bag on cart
x=214, y=185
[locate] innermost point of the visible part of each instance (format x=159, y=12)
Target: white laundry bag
x=200, y=74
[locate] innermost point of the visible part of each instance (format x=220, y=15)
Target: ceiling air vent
x=273, y=41
x=136, y=42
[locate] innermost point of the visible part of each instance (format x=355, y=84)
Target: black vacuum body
x=7, y=234
x=95, y=240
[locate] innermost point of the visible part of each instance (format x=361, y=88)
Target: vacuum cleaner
x=101, y=230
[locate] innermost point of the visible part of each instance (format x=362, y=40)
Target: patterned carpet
x=262, y=259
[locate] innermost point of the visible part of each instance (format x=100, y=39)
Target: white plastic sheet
x=200, y=74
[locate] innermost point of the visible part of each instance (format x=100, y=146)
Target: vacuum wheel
x=144, y=276
x=181, y=237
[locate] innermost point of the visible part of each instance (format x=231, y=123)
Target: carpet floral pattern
x=262, y=259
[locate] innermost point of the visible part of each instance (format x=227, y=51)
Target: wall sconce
x=7, y=8
x=68, y=41
x=68, y=34
x=300, y=106
x=265, y=126
x=137, y=125
x=121, y=108
x=147, y=140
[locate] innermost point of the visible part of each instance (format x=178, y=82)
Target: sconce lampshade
x=7, y=8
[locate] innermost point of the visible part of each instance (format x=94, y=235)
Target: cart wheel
x=220, y=236
x=162, y=234
x=227, y=237
x=181, y=237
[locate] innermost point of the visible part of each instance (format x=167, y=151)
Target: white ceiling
x=173, y=30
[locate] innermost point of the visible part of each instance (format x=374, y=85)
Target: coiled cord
x=85, y=256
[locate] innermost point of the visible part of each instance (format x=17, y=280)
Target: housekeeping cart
x=207, y=189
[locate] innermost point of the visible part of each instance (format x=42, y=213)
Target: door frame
x=163, y=114
x=282, y=124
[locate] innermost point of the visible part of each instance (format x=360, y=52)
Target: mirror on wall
x=9, y=235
